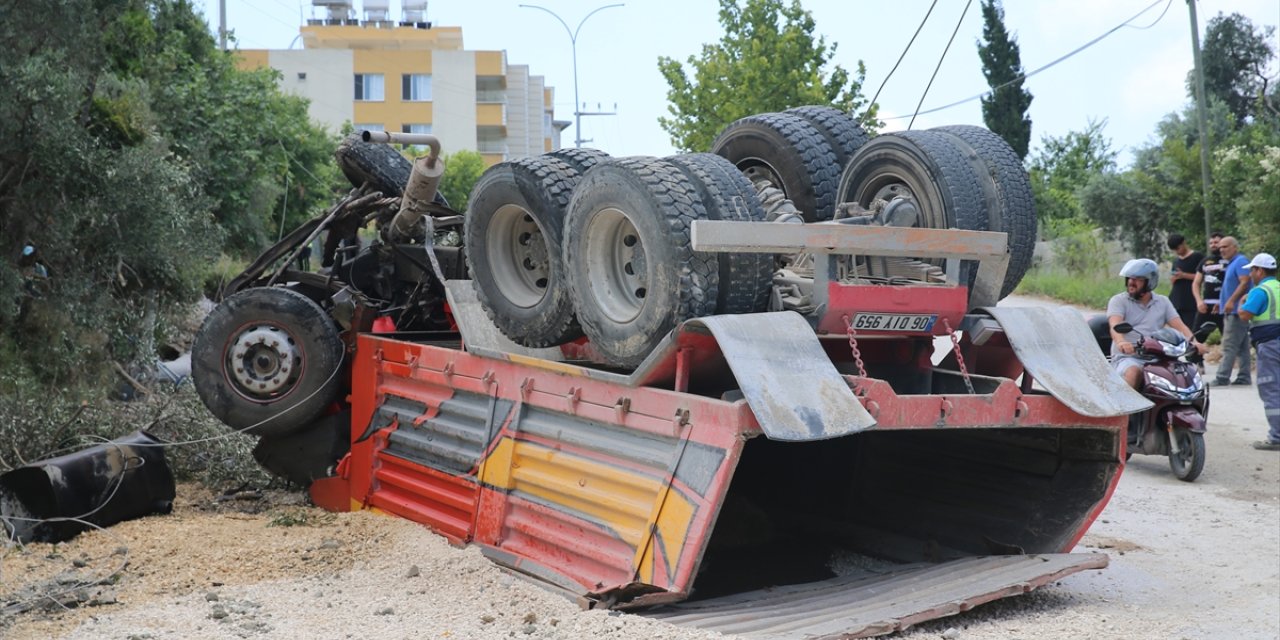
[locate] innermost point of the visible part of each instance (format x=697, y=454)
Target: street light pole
x=573, y=42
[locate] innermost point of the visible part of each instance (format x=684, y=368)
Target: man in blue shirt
x=1235, y=332
x=1262, y=311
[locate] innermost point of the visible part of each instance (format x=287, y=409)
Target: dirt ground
x=1188, y=561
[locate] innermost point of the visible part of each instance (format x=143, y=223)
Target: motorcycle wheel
x=1189, y=461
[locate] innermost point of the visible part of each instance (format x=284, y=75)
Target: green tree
x=1235, y=58
x=1004, y=110
x=462, y=170
x=1172, y=164
x=251, y=147
x=1063, y=165
x=767, y=60
x=130, y=148
x=1247, y=183
x=1125, y=204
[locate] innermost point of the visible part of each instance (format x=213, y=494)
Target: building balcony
x=491, y=115
x=492, y=146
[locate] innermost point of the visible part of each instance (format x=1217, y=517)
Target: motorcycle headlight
x=1160, y=383
x=1175, y=350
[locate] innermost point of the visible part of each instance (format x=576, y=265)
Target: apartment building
x=411, y=76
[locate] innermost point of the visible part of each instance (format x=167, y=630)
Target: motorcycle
x=1175, y=426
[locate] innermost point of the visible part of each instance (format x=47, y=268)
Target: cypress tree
x=1005, y=109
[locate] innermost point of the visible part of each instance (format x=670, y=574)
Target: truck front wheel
x=266, y=361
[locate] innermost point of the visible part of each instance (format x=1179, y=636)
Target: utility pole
x=573, y=42
x=222, y=24
x=1201, y=118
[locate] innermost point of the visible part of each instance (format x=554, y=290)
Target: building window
x=369, y=87
x=416, y=128
x=415, y=87
x=369, y=127
x=302, y=75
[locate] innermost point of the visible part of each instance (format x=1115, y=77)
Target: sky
x=1132, y=78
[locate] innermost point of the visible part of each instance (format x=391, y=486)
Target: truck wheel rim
x=518, y=256
x=264, y=362
x=886, y=186
x=617, y=268
x=757, y=169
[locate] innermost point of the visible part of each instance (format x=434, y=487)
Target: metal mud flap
x=1058, y=350
x=789, y=382
x=870, y=604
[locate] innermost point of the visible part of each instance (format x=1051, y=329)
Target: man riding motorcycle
x=1146, y=311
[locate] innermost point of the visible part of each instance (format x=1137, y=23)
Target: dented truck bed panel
x=634, y=496
x=876, y=603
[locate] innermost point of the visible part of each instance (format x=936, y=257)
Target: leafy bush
x=1076, y=246
x=131, y=150
x=219, y=273
x=462, y=170
x=37, y=422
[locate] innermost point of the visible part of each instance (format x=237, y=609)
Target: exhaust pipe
x=424, y=180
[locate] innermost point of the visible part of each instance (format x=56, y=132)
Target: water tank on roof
x=377, y=10
x=337, y=10
x=414, y=11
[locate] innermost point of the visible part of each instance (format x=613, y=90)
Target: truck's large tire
x=579, y=158
x=380, y=165
x=513, y=235
x=843, y=133
x=632, y=271
x=929, y=166
x=726, y=194
x=791, y=153
x=1015, y=212
x=265, y=361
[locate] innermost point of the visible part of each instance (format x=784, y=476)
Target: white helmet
x=1142, y=268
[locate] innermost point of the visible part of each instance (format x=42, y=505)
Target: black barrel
x=126, y=478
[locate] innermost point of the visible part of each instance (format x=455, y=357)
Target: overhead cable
x=904, y=52
x=939, y=65
x=1032, y=73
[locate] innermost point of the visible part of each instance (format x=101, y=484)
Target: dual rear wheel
x=618, y=252
x=574, y=243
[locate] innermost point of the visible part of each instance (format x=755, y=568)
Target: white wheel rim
x=518, y=256
x=617, y=269
x=264, y=362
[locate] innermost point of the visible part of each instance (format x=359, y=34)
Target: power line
x=1045, y=67
x=904, y=52
x=940, y=59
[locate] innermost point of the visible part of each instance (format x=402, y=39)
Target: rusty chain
x=853, y=346
x=955, y=346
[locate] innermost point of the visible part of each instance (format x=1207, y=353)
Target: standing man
x=1207, y=287
x=1235, y=332
x=1262, y=311
x=1185, y=268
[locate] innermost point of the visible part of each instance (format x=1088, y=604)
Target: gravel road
x=1188, y=561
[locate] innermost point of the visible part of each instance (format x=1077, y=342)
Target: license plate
x=910, y=323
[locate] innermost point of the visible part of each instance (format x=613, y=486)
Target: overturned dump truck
x=703, y=386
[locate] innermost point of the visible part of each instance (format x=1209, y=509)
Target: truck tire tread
x=800, y=153
x=1016, y=213
x=745, y=278
x=844, y=133
x=662, y=205
x=542, y=186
